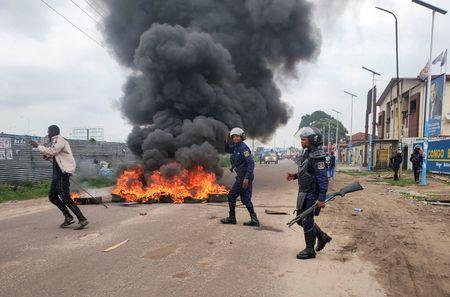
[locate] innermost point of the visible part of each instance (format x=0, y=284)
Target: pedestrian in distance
x=332, y=165
x=242, y=164
x=417, y=161
x=313, y=186
x=64, y=166
x=396, y=161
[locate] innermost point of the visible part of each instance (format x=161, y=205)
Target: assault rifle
x=356, y=186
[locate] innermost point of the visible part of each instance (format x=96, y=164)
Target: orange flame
x=75, y=195
x=195, y=183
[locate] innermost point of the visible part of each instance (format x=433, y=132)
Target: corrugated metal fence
x=19, y=162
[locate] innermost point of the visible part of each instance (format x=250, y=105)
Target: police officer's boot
x=308, y=252
x=68, y=220
x=322, y=238
x=231, y=219
x=253, y=220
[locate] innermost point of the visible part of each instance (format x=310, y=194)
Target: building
x=358, y=150
x=412, y=115
x=88, y=133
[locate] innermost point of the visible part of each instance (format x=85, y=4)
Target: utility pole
x=369, y=161
x=329, y=134
x=427, y=99
x=337, y=134
x=351, y=126
x=399, y=99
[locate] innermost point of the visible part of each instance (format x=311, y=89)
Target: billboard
x=438, y=155
x=435, y=116
x=369, y=99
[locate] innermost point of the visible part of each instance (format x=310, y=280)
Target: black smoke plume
x=201, y=67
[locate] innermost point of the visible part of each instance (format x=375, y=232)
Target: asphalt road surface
x=175, y=250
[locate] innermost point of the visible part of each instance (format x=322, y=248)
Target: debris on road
x=115, y=246
x=275, y=212
x=439, y=203
x=127, y=204
x=142, y=213
x=358, y=209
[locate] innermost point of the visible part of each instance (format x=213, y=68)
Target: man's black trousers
x=59, y=195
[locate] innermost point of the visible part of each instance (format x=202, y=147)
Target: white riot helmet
x=312, y=133
x=237, y=131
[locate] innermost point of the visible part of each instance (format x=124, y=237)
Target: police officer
x=417, y=160
x=313, y=186
x=396, y=160
x=242, y=163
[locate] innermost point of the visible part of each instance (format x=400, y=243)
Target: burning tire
x=217, y=198
x=86, y=201
x=166, y=199
x=193, y=200
x=117, y=198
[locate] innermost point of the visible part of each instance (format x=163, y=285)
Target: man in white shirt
x=63, y=167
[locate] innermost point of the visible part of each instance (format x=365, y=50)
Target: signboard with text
x=438, y=155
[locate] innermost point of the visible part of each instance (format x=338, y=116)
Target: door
x=414, y=107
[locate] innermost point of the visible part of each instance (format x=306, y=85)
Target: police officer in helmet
x=313, y=186
x=242, y=163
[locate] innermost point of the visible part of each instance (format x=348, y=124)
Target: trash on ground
x=115, y=246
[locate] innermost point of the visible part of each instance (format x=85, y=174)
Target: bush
x=224, y=160
x=23, y=191
x=99, y=182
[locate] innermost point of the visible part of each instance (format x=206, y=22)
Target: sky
x=51, y=73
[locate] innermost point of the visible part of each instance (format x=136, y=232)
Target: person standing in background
x=332, y=165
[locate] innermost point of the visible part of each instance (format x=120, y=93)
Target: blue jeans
x=331, y=171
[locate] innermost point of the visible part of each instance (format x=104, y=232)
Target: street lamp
x=369, y=161
x=427, y=98
x=337, y=133
x=399, y=124
x=351, y=127
x=329, y=134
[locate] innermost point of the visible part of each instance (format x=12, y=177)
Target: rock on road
x=175, y=250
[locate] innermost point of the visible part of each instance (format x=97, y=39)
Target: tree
x=321, y=120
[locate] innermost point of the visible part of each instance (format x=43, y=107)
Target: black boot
x=231, y=219
x=322, y=238
x=68, y=220
x=253, y=220
x=81, y=224
x=308, y=252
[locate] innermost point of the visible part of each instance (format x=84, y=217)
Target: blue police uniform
x=243, y=165
x=313, y=185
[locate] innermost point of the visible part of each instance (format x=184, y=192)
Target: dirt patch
x=161, y=253
x=406, y=239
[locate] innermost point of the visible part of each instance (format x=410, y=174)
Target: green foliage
x=413, y=196
x=356, y=173
x=401, y=182
x=23, y=191
x=293, y=149
x=99, y=182
x=224, y=160
x=322, y=121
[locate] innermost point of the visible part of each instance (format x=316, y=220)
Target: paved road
x=174, y=250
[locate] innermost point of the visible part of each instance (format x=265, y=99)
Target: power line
x=85, y=12
x=94, y=8
x=78, y=28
